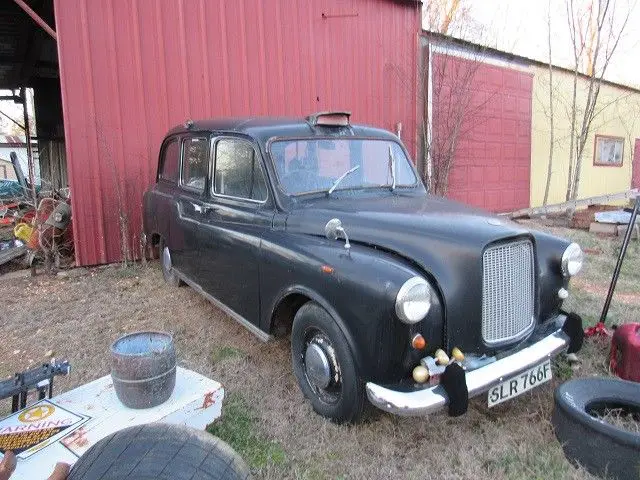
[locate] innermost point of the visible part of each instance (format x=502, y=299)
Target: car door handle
x=203, y=209
x=199, y=208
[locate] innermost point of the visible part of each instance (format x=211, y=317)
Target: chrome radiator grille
x=508, y=291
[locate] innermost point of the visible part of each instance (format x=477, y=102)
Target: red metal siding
x=132, y=69
x=492, y=164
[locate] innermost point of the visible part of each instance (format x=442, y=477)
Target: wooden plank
x=573, y=204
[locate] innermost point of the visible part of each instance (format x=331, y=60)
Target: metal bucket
x=143, y=368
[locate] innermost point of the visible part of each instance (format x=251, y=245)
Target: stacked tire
x=160, y=451
x=600, y=447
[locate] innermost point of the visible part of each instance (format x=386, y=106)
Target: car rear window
x=170, y=161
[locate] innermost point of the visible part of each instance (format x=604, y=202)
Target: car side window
x=171, y=161
x=238, y=171
x=195, y=162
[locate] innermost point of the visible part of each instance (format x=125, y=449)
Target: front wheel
x=324, y=365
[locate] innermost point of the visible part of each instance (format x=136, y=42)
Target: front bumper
x=479, y=381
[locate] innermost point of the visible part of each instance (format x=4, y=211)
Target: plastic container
x=143, y=368
x=23, y=232
x=624, y=359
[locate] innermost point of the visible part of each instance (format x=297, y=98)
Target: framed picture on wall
x=609, y=151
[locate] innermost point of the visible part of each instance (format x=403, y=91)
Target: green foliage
x=238, y=427
x=562, y=368
x=220, y=354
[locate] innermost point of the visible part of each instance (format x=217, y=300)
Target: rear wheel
x=324, y=365
x=168, y=272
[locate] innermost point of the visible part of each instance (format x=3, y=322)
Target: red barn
x=478, y=116
x=129, y=70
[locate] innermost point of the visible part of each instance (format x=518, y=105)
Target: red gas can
x=625, y=352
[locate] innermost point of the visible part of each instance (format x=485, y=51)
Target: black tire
x=600, y=447
x=168, y=271
x=160, y=451
x=343, y=399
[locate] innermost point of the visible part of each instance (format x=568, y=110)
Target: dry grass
x=265, y=416
x=621, y=418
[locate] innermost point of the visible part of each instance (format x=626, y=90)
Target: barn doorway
x=29, y=75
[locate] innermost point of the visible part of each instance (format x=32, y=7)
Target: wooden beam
x=37, y=19
x=573, y=204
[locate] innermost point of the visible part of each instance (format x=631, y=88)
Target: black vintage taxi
x=323, y=229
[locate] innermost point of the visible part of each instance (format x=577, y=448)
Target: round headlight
x=413, y=300
x=572, y=260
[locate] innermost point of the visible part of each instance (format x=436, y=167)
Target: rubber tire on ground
x=160, y=451
x=169, y=274
x=349, y=407
x=596, y=445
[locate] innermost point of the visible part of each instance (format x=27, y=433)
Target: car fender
x=357, y=287
x=320, y=300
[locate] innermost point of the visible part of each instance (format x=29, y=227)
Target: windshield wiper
x=392, y=164
x=342, y=177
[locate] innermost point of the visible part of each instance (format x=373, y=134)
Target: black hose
x=623, y=251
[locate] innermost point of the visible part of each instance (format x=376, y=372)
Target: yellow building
x=607, y=160
x=500, y=154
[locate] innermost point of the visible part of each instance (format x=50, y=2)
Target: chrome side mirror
x=334, y=230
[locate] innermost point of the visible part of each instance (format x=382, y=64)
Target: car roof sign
x=329, y=119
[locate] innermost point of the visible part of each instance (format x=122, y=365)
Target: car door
x=189, y=201
x=238, y=213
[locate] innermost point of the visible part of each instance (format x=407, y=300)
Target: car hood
x=402, y=223
x=444, y=238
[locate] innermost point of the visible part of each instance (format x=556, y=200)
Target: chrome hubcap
x=166, y=259
x=317, y=366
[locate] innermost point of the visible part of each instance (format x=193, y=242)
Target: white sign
x=29, y=430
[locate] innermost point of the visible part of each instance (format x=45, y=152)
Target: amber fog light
x=418, y=342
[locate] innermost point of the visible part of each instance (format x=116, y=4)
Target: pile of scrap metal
x=42, y=233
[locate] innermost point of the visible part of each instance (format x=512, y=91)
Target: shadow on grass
x=238, y=426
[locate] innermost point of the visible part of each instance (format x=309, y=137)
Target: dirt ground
x=265, y=417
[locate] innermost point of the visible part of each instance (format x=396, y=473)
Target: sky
x=14, y=110
x=520, y=27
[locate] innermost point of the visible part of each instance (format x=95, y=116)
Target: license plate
x=520, y=383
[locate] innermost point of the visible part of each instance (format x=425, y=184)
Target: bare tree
x=595, y=34
x=441, y=15
x=450, y=107
x=123, y=218
x=551, y=130
x=450, y=103
x=630, y=124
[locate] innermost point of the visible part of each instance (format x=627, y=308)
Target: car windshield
x=312, y=165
